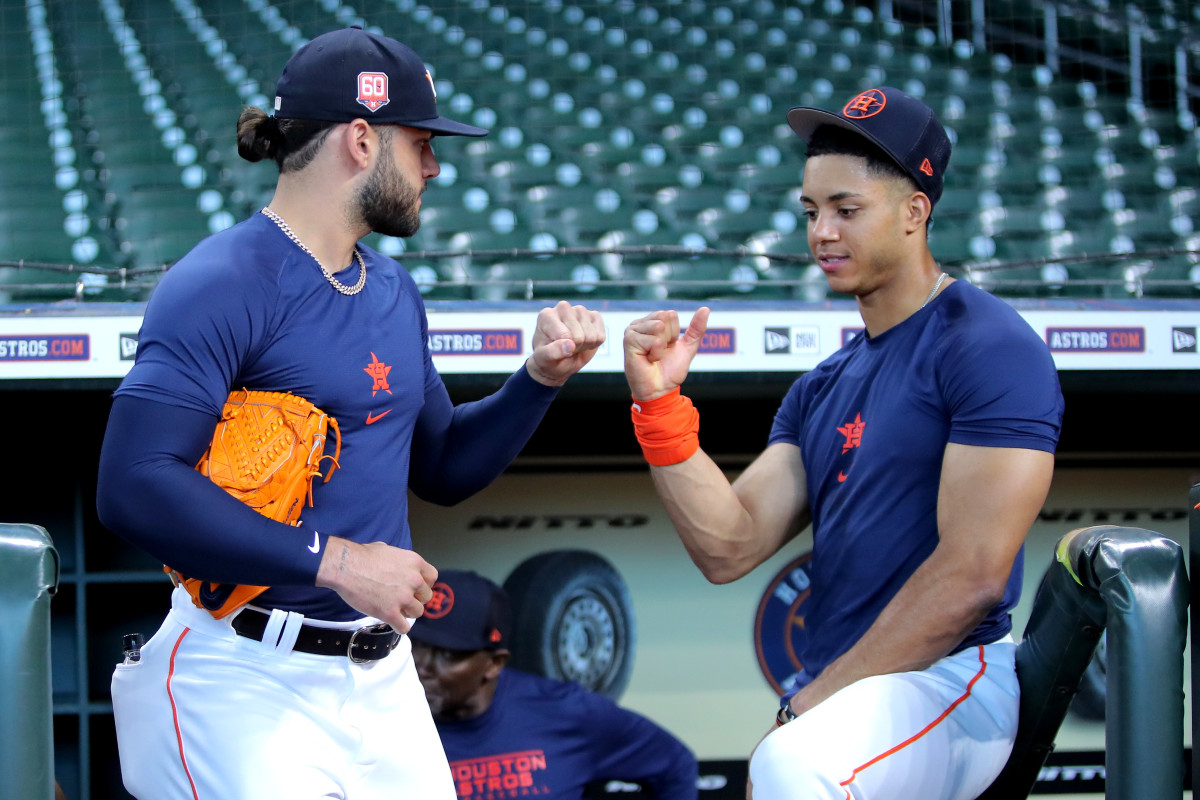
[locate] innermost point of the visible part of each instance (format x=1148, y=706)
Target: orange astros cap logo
x=867, y=104
x=441, y=602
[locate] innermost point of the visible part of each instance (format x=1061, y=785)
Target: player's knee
x=782, y=769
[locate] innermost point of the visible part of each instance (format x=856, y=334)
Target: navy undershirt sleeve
x=458, y=450
x=149, y=492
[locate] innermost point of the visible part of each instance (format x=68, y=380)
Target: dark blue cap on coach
x=466, y=612
x=902, y=125
x=350, y=73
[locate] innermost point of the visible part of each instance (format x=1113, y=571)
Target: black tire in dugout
x=573, y=620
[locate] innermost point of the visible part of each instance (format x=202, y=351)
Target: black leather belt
x=364, y=644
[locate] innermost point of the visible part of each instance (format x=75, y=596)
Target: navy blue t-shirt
x=872, y=422
x=548, y=739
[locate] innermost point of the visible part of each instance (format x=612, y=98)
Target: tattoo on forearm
x=345, y=556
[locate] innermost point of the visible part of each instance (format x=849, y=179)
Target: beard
x=387, y=203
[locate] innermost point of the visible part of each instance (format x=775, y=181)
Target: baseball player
x=509, y=734
x=309, y=691
x=920, y=452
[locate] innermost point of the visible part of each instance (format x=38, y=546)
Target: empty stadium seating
x=611, y=120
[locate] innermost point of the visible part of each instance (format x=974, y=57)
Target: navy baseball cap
x=904, y=127
x=350, y=73
x=467, y=612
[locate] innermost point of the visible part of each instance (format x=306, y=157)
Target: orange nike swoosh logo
x=841, y=477
x=373, y=418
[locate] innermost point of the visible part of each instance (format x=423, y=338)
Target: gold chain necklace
x=349, y=291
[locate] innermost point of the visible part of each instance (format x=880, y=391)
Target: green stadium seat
x=724, y=228
x=680, y=204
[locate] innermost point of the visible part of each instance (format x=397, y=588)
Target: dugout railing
x=28, y=578
x=1134, y=583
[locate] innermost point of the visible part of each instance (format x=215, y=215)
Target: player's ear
x=358, y=140
x=499, y=662
x=917, y=211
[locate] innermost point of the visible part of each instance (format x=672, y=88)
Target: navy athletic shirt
x=246, y=308
x=548, y=739
x=872, y=422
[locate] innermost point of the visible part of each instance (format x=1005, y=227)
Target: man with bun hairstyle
x=509, y=734
x=309, y=691
x=920, y=452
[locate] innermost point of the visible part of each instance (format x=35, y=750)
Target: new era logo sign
x=1183, y=340
x=797, y=340
x=777, y=340
x=128, y=343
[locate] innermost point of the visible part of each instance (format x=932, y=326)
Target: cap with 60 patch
x=902, y=125
x=350, y=73
x=466, y=612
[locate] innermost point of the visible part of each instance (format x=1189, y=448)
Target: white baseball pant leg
x=210, y=715
x=943, y=733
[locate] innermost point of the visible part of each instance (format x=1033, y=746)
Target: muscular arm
x=729, y=529
x=987, y=500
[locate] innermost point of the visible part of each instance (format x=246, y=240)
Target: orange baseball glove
x=266, y=450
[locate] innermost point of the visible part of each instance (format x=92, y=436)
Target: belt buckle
x=381, y=627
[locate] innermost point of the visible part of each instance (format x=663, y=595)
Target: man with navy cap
x=509, y=734
x=920, y=452
x=309, y=691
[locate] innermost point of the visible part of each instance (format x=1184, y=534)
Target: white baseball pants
x=943, y=733
x=207, y=714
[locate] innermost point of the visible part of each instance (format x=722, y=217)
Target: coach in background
x=509, y=734
x=310, y=693
x=921, y=452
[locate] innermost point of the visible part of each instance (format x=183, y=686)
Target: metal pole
x=1135, y=56
x=1051, y=33
x=978, y=25
x=1181, y=82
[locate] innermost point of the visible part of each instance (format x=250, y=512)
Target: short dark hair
x=291, y=143
x=831, y=140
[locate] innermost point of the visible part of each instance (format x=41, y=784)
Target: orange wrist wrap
x=667, y=428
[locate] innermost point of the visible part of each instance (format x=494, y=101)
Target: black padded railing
x=28, y=578
x=1133, y=582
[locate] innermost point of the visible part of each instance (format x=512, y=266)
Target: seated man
x=510, y=734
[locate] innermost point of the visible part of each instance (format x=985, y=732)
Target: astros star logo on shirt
x=378, y=372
